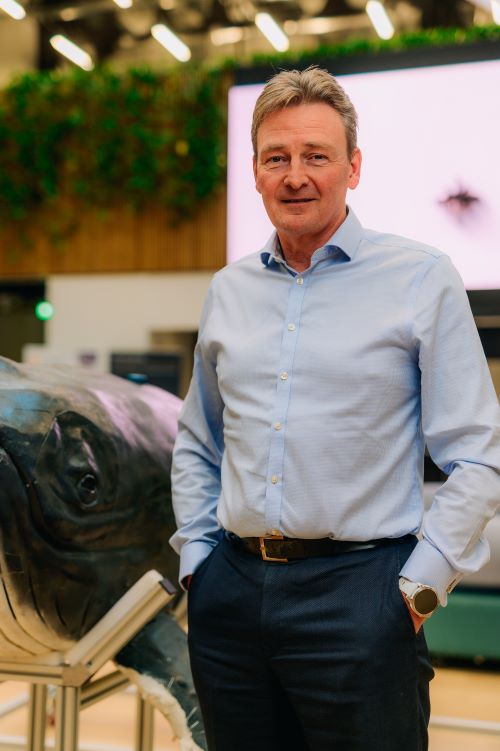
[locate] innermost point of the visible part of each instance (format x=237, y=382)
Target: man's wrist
x=427, y=564
x=421, y=598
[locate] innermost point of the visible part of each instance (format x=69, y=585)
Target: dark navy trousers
x=317, y=654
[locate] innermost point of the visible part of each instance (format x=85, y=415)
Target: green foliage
x=105, y=139
x=440, y=37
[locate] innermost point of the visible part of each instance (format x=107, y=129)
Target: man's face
x=303, y=171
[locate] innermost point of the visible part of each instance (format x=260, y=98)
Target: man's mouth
x=297, y=200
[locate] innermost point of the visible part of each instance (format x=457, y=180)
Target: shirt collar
x=346, y=239
x=271, y=255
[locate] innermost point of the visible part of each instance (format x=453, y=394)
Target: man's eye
x=275, y=159
x=317, y=157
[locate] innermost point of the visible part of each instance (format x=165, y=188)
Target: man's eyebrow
x=317, y=145
x=272, y=147
x=307, y=145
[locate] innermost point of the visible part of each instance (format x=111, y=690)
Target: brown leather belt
x=283, y=549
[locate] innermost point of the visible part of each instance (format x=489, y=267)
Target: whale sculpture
x=85, y=511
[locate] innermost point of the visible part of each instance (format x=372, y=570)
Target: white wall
x=117, y=312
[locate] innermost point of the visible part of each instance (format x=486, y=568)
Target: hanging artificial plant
x=439, y=37
x=106, y=139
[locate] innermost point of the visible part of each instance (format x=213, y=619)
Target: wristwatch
x=422, y=598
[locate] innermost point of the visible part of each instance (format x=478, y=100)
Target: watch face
x=425, y=601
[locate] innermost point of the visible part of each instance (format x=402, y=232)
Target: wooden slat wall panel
x=104, y=243
x=123, y=241
x=199, y=244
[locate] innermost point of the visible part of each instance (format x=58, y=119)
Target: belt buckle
x=265, y=556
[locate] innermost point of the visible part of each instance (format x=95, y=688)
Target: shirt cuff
x=426, y=565
x=192, y=555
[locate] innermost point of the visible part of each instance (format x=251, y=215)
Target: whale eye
x=87, y=487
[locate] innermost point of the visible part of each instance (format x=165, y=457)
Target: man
x=323, y=366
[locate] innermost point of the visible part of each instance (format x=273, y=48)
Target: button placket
x=275, y=483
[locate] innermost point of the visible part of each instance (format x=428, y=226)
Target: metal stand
x=37, y=719
x=67, y=718
x=459, y=723
x=72, y=671
x=144, y=726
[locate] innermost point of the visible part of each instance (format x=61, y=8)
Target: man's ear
x=355, y=174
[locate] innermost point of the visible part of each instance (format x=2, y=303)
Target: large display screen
x=430, y=139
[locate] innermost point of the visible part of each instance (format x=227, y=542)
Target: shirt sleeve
x=461, y=425
x=197, y=459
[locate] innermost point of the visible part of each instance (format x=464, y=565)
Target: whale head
x=85, y=503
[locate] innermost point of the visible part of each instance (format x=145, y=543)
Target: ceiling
x=221, y=28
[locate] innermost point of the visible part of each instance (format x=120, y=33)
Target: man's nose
x=296, y=176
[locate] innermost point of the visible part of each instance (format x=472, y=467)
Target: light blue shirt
x=314, y=393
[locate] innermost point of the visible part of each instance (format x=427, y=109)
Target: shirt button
x=274, y=479
x=277, y=426
x=300, y=280
x=284, y=376
x=291, y=327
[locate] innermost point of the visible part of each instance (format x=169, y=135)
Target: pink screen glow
x=430, y=139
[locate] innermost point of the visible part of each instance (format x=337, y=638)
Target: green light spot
x=44, y=310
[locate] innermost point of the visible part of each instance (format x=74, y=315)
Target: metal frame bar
x=67, y=718
x=71, y=672
x=14, y=704
x=461, y=723
x=37, y=717
x=144, y=725
x=100, y=689
x=16, y=743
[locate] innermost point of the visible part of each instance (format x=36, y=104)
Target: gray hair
x=293, y=87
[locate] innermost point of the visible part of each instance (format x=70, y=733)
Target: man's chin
x=296, y=225
x=297, y=208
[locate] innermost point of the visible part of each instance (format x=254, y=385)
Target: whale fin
x=156, y=660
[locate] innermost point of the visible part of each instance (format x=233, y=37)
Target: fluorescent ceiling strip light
x=72, y=51
x=495, y=11
x=323, y=25
x=379, y=18
x=13, y=9
x=483, y=4
x=273, y=33
x=124, y=3
x=69, y=14
x=226, y=35
x=171, y=42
